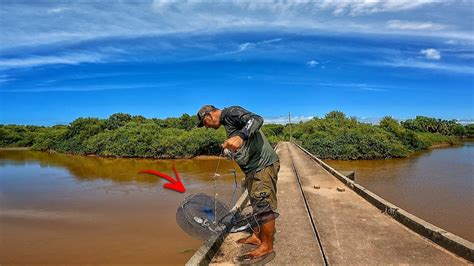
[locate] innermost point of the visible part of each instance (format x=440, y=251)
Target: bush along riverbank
x=333, y=137
x=339, y=137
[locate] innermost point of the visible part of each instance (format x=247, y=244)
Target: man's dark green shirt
x=256, y=152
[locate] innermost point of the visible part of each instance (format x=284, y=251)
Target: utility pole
x=289, y=122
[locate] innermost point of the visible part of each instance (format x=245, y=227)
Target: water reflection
x=117, y=169
x=65, y=209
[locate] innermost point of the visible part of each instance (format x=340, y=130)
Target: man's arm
x=248, y=122
x=252, y=123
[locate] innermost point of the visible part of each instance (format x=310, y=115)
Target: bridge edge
x=441, y=237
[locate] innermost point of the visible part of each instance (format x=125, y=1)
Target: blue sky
x=60, y=60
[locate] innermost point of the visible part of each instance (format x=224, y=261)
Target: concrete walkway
x=295, y=240
x=351, y=230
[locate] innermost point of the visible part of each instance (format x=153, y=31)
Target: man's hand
x=233, y=143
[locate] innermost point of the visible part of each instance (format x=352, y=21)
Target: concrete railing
x=447, y=240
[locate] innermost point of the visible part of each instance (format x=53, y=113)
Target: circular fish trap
x=200, y=214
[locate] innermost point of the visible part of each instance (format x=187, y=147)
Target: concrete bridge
x=326, y=218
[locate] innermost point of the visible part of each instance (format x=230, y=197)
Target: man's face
x=210, y=121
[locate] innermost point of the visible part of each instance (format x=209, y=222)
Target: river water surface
x=65, y=209
x=436, y=185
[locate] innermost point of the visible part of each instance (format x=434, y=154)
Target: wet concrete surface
x=351, y=230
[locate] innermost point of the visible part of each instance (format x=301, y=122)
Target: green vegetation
x=433, y=125
x=333, y=137
x=338, y=137
x=119, y=135
x=17, y=136
x=470, y=130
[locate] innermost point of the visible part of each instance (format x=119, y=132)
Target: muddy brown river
x=66, y=209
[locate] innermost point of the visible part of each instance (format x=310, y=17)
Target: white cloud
x=5, y=79
x=360, y=87
x=245, y=46
x=431, y=54
x=338, y=7
x=363, y=7
x=56, y=10
x=424, y=65
x=413, y=25
x=283, y=120
x=371, y=89
x=97, y=87
x=312, y=63
x=69, y=59
x=272, y=40
x=100, y=55
x=91, y=20
x=465, y=121
x=309, y=15
x=369, y=120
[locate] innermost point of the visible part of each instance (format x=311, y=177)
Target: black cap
x=205, y=109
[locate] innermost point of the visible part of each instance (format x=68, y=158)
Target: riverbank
x=15, y=148
x=335, y=136
x=198, y=157
x=442, y=145
x=203, y=157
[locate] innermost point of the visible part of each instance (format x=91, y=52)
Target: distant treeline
x=339, y=137
x=333, y=137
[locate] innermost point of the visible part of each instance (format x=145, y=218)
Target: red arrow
x=176, y=185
